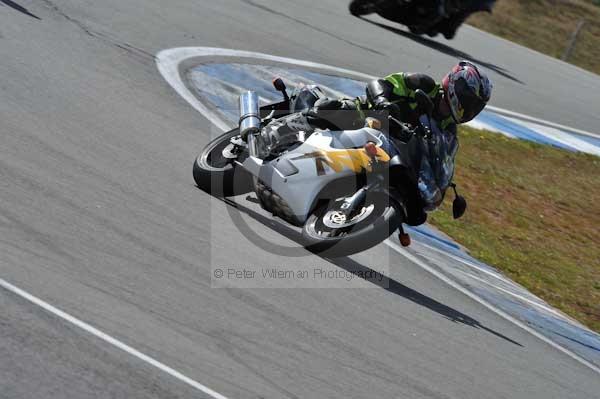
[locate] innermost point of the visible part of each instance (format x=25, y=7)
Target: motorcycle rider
x=460, y=97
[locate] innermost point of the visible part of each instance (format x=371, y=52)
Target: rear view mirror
x=459, y=206
x=424, y=102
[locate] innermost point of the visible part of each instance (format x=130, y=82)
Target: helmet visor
x=471, y=103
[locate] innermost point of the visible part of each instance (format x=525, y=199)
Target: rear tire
x=218, y=175
x=379, y=225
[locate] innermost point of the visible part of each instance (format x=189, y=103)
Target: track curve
x=100, y=218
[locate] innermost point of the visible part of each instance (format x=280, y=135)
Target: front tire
x=452, y=25
x=218, y=175
x=321, y=238
x=361, y=7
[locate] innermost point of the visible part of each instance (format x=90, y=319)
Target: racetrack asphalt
x=100, y=218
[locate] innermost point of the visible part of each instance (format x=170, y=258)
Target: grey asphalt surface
x=45, y=359
x=99, y=216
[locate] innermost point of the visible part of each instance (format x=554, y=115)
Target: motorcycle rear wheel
x=218, y=175
x=355, y=235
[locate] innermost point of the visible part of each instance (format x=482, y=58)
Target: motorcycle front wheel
x=329, y=232
x=361, y=7
x=218, y=175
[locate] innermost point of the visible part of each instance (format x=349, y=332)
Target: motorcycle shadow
x=445, y=49
x=352, y=266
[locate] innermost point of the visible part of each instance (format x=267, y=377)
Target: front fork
x=356, y=201
x=256, y=147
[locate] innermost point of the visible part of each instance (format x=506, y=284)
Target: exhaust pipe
x=250, y=123
x=249, y=114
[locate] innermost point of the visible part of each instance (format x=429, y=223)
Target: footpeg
x=234, y=147
x=403, y=238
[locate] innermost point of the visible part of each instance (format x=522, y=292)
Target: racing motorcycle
x=347, y=189
x=424, y=16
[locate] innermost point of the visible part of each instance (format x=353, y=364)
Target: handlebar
x=423, y=129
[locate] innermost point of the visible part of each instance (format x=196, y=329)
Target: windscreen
x=437, y=166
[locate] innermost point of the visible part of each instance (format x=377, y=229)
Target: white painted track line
x=486, y=304
x=170, y=61
x=528, y=118
x=499, y=277
x=110, y=340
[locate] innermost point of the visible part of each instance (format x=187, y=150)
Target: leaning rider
x=461, y=96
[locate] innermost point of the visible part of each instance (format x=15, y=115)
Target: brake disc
x=335, y=219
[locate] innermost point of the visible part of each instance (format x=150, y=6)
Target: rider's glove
x=390, y=108
x=383, y=104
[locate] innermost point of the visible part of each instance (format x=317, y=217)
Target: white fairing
x=301, y=188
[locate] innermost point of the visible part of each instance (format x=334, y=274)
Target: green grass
x=546, y=26
x=534, y=213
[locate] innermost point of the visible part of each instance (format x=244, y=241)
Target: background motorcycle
x=423, y=16
x=347, y=189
